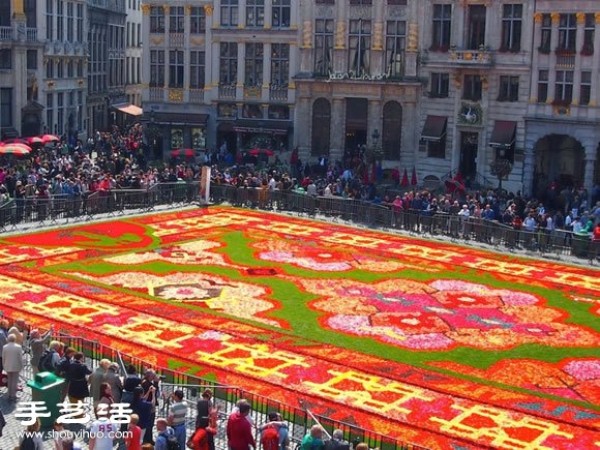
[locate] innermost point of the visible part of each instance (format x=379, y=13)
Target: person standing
x=12, y=360
x=239, y=429
x=77, y=374
x=204, y=409
x=37, y=344
x=133, y=441
x=313, y=439
x=102, y=433
x=151, y=385
x=176, y=417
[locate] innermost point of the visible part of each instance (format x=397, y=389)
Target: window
x=360, y=2
x=542, y=96
x=70, y=69
x=509, y=89
x=253, y=71
x=589, y=32
x=229, y=13
x=176, y=19
x=439, y=85
x=80, y=68
x=437, y=149
x=49, y=109
x=50, y=69
x=563, y=89
x=176, y=68
x=255, y=13
x=321, y=127
x=395, y=42
x=280, y=64
x=197, y=20
x=442, y=22
x=472, y=88
x=546, y=34
x=32, y=62
x=5, y=58
x=281, y=14
x=323, y=46
x=60, y=26
x=359, y=48
x=157, y=68
x=325, y=2
x=60, y=72
x=585, y=89
x=252, y=112
x=476, y=31
x=157, y=19
x=279, y=112
x=60, y=104
x=512, y=21
x=49, y=20
x=567, y=32
x=228, y=63
x=70, y=21
x=396, y=2
x=197, y=62
x=391, y=139
x=6, y=110
x=79, y=22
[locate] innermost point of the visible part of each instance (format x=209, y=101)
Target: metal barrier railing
x=554, y=243
x=226, y=397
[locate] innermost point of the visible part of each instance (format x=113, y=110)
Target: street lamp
x=501, y=167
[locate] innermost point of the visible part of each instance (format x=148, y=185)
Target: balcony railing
x=565, y=61
x=196, y=95
x=175, y=95
x=227, y=91
x=471, y=57
x=157, y=94
x=7, y=33
x=278, y=93
x=31, y=34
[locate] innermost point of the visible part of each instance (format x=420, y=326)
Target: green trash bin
x=48, y=388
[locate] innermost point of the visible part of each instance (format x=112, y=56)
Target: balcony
x=470, y=58
x=278, y=93
x=565, y=61
x=227, y=91
x=175, y=95
x=157, y=94
x=196, y=95
x=7, y=33
x=31, y=34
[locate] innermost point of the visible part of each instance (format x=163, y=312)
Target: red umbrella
x=34, y=140
x=49, y=138
x=14, y=149
x=261, y=151
x=404, y=182
x=413, y=179
x=183, y=153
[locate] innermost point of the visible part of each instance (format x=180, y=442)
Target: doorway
x=469, y=143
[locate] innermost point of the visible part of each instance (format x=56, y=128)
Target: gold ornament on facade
x=580, y=18
x=413, y=37
x=378, y=36
x=197, y=41
x=597, y=17
x=208, y=10
x=484, y=82
x=188, y=10
x=538, y=18
x=307, y=34
x=457, y=81
x=340, y=35
x=166, y=9
x=176, y=95
x=157, y=40
x=555, y=18
x=145, y=9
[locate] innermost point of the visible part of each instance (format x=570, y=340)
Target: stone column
x=377, y=40
x=374, y=122
x=241, y=58
x=242, y=14
x=590, y=166
x=528, y=169
x=269, y=14
x=338, y=129
x=537, y=38
x=266, y=83
x=209, y=80
x=577, y=73
x=340, y=57
x=303, y=131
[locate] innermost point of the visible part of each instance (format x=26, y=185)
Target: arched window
x=321, y=127
x=392, y=130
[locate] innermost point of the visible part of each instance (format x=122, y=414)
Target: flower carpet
x=440, y=345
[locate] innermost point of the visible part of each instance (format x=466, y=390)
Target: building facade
x=106, y=62
x=475, y=87
x=133, y=54
x=21, y=72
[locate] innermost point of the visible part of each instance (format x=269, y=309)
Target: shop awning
x=434, y=128
x=128, y=108
x=165, y=118
x=280, y=127
x=503, y=134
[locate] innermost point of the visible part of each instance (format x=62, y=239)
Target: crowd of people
x=101, y=393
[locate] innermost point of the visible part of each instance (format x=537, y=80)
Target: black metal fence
x=554, y=243
x=299, y=419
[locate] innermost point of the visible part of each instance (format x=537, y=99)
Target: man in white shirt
x=12, y=361
x=102, y=433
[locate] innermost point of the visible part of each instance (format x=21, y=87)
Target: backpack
x=269, y=438
x=45, y=363
x=172, y=442
x=27, y=444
